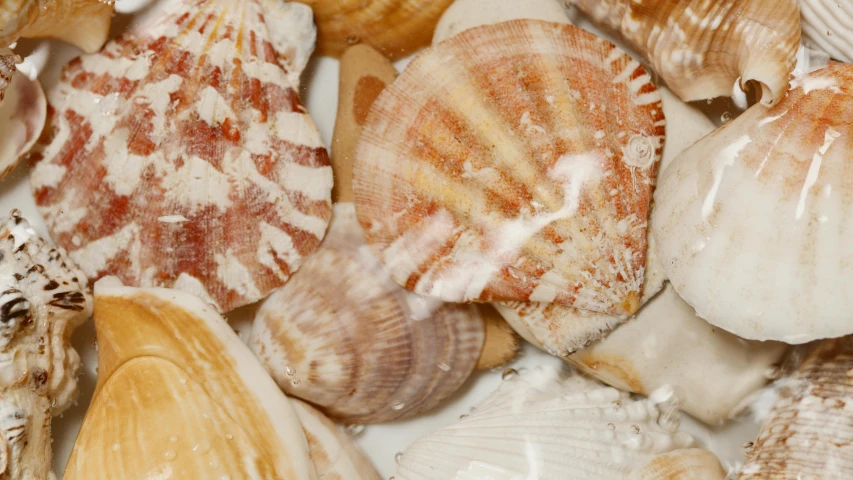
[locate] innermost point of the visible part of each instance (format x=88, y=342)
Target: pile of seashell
x=522, y=179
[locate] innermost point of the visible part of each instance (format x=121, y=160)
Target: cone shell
x=477, y=180
x=560, y=427
x=686, y=464
x=179, y=394
x=701, y=48
x=333, y=453
x=750, y=221
x=180, y=156
x=345, y=337
x=465, y=14
x=83, y=23
x=828, y=26
x=22, y=116
x=808, y=432
x=397, y=28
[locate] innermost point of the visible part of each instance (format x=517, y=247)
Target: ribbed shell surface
x=514, y=162
x=828, y=26
x=180, y=155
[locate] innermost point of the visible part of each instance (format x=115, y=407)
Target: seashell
x=701, y=48
x=83, y=23
x=180, y=396
x=43, y=298
x=501, y=343
x=807, y=434
x=688, y=464
x=469, y=199
x=345, y=337
x=397, y=28
x=465, y=14
x=22, y=117
x=828, y=26
x=180, y=156
x=333, y=452
x=752, y=235
x=560, y=427
x=8, y=59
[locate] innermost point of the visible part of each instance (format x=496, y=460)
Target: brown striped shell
x=514, y=162
x=180, y=155
x=343, y=336
x=702, y=48
x=809, y=430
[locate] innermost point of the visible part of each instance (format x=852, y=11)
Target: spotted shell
x=477, y=177
x=180, y=155
x=343, y=336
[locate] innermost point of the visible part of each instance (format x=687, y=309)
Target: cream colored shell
x=828, y=26
x=465, y=14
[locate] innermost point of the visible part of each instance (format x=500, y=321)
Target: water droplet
x=726, y=117
x=225, y=477
x=294, y=382
x=173, y=439
x=443, y=366
x=169, y=455
x=183, y=381
x=109, y=104
x=229, y=436
x=214, y=463
x=509, y=373
x=635, y=429
x=352, y=39
x=398, y=405
x=398, y=457
x=289, y=372
x=709, y=101
x=116, y=447
x=747, y=448
x=202, y=447
x=354, y=430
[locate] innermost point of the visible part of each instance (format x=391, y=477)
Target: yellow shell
x=84, y=23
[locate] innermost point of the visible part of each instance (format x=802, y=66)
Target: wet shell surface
x=84, y=23
x=43, y=298
x=343, y=336
x=809, y=429
x=560, y=427
x=397, y=28
x=701, y=48
x=751, y=221
x=476, y=179
x=465, y=14
x=180, y=156
x=828, y=26
x=22, y=116
x=180, y=395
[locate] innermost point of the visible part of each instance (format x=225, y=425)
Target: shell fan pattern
x=180, y=155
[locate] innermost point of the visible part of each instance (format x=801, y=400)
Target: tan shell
x=343, y=336
x=180, y=395
x=502, y=344
x=685, y=464
x=701, y=48
x=84, y=23
x=466, y=198
x=396, y=28
x=808, y=432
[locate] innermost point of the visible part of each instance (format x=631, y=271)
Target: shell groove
x=755, y=234
x=702, y=47
x=828, y=26
x=180, y=155
x=476, y=179
x=809, y=430
x=342, y=335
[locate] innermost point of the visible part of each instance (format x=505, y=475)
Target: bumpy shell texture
x=558, y=427
x=43, y=298
x=342, y=335
x=828, y=26
x=84, y=23
x=180, y=396
x=180, y=156
x=477, y=177
x=809, y=430
x=701, y=48
x=751, y=222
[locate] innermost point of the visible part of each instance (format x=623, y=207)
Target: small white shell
x=828, y=26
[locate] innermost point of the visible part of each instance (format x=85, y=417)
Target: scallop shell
x=22, y=116
x=180, y=396
x=396, y=28
x=701, y=48
x=343, y=336
x=558, y=427
x=84, y=23
x=465, y=14
x=476, y=179
x=809, y=430
x=43, y=298
x=828, y=26
x=751, y=220
x=180, y=156
x=333, y=453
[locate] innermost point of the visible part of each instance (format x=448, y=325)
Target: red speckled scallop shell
x=180, y=155
x=514, y=162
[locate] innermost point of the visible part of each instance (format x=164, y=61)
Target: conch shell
x=466, y=198
x=43, y=298
x=465, y=14
x=750, y=222
x=828, y=26
x=180, y=156
x=180, y=396
x=343, y=336
x=562, y=428
x=396, y=28
x=84, y=23
x=701, y=48
x=808, y=431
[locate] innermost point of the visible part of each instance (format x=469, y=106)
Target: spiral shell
x=477, y=179
x=828, y=26
x=84, y=23
x=343, y=336
x=701, y=48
